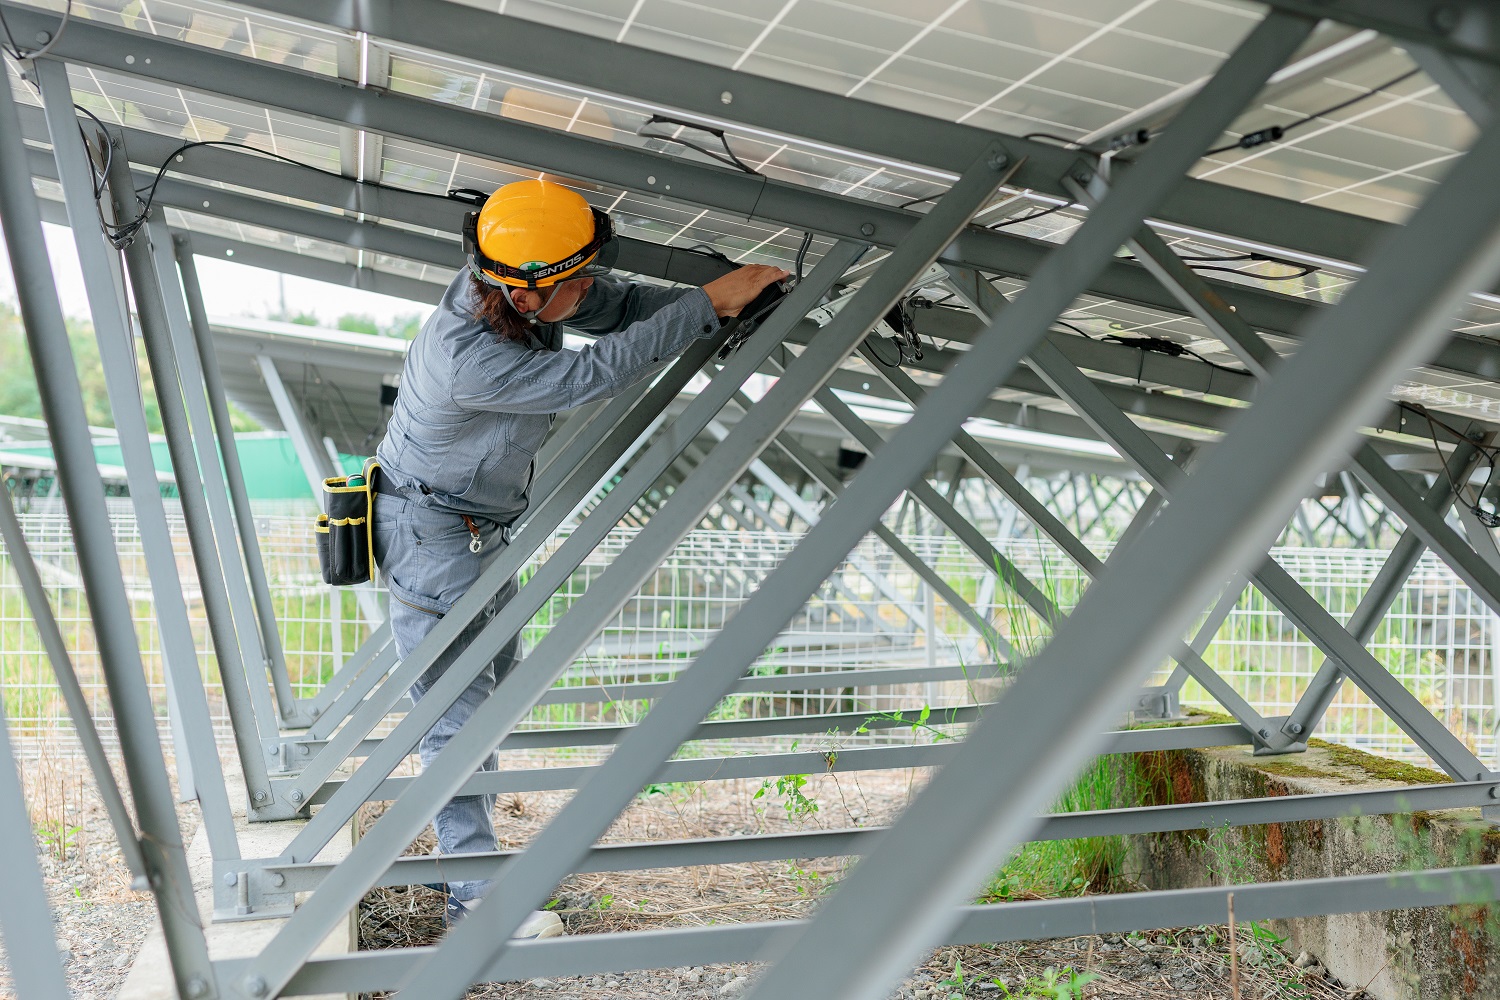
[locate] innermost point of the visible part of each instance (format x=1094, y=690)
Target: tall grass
x=1050, y=868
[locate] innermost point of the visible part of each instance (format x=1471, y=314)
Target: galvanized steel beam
x=975, y=810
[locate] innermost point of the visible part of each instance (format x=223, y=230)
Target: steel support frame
x=151, y=311
x=536, y=528
x=99, y=565
x=524, y=685
x=191, y=384
x=1045, y=520
x=56, y=649
x=234, y=477
x=1392, y=697
x=804, y=510
x=697, y=87
x=269, y=892
x=471, y=946
x=551, y=574
x=1023, y=921
x=974, y=810
x=1260, y=218
x=831, y=483
x=116, y=345
x=1118, y=359
x=1301, y=607
x=1013, y=578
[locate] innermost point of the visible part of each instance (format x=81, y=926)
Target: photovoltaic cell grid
x=1016, y=67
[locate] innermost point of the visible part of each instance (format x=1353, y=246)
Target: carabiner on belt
x=475, y=544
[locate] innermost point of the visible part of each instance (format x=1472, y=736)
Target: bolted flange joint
x=296, y=796
x=1295, y=729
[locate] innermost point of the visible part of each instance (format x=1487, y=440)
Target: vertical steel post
x=234, y=473
x=99, y=564
x=152, y=315
x=117, y=354
x=25, y=913
x=191, y=386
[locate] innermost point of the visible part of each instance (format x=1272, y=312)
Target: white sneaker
x=541, y=924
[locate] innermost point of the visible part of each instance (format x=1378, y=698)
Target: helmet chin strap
x=531, y=317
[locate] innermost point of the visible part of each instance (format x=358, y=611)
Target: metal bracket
x=247, y=890
x=1157, y=703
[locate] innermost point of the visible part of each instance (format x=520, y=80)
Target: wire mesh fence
x=874, y=615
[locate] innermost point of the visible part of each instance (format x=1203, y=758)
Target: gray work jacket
x=474, y=407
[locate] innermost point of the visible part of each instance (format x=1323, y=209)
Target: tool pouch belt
x=345, y=541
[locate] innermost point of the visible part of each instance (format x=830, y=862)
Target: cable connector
x=1125, y=140
x=1252, y=139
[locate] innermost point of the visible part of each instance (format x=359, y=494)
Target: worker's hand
x=732, y=292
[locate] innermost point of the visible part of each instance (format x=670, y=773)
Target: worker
x=482, y=383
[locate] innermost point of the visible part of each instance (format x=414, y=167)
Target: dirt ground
x=1191, y=963
x=100, y=923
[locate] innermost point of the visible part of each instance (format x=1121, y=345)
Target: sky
x=229, y=289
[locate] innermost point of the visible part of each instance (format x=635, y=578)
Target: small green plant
x=899, y=718
x=793, y=799
x=1053, y=984
x=957, y=986
x=807, y=882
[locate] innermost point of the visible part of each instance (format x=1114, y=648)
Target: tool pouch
x=345, y=542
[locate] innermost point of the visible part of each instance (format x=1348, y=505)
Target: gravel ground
x=1191, y=963
x=98, y=921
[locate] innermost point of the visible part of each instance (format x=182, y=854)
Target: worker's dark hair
x=493, y=307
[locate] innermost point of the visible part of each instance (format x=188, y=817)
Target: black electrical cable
x=1033, y=216
x=1298, y=270
x=704, y=250
x=1078, y=330
x=1489, y=518
x=1169, y=348
x=15, y=50
x=1275, y=133
x=125, y=232
x=882, y=361
x=802, y=253
x=728, y=157
x=921, y=201
x=1303, y=270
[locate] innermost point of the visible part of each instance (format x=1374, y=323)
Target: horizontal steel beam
x=1464, y=27
x=1270, y=312
x=1022, y=921
x=838, y=843
x=511, y=141
x=773, y=765
x=664, y=81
